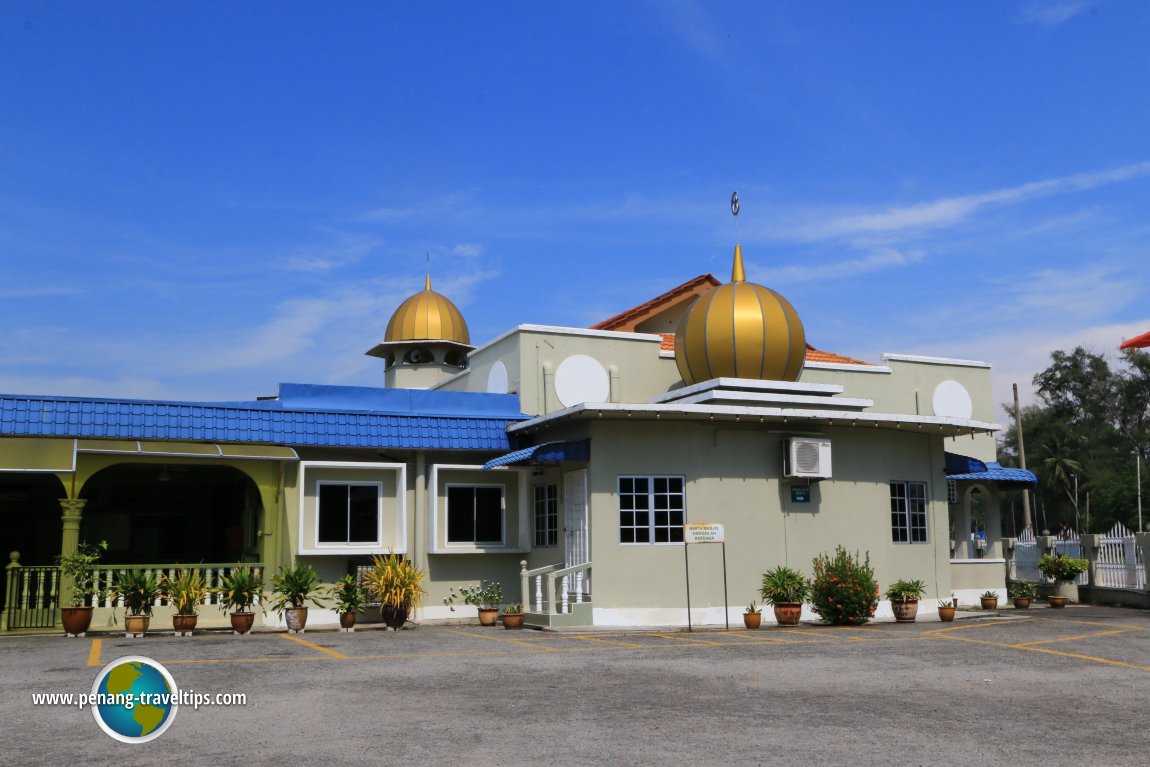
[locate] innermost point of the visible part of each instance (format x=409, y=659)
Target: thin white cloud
x=38, y=292
x=949, y=211
x=692, y=26
x=1051, y=14
x=886, y=258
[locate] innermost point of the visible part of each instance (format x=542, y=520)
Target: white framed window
x=475, y=515
x=546, y=507
x=908, y=512
x=348, y=513
x=651, y=509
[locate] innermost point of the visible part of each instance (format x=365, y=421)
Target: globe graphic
x=147, y=717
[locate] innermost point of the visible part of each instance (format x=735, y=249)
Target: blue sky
x=198, y=201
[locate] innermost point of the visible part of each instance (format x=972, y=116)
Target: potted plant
x=513, y=616
x=186, y=592
x=1021, y=592
x=752, y=616
x=239, y=590
x=397, y=584
x=349, y=601
x=903, y=596
x=1063, y=570
x=785, y=589
x=989, y=600
x=485, y=597
x=946, y=610
x=80, y=568
x=139, y=590
x=293, y=588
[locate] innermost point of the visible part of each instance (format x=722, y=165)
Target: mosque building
x=564, y=463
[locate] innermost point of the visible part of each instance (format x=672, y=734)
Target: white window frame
x=651, y=526
x=514, y=541
x=907, y=523
x=309, y=538
x=502, y=542
x=546, y=508
x=320, y=483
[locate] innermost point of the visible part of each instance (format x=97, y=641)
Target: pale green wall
x=733, y=477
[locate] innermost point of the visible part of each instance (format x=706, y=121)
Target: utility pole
x=1138, y=474
x=1022, y=462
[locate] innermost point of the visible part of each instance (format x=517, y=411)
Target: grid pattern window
x=908, y=512
x=546, y=515
x=475, y=514
x=651, y=509
x=348, y=513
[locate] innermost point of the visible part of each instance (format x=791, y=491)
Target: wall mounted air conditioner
x=806, y=458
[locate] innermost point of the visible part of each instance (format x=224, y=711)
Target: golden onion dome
x=427, y=316
x=740, y=330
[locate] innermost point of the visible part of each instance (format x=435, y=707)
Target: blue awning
x=961, y=467
x=548, y=452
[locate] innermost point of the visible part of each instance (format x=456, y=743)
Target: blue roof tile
x=447, y=425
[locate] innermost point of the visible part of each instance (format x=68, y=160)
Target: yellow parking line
x=1094, y=623
x=952, y=629
x=690, y=639
x=1078, y=636
x=1078, y=656
x=313, y=646
x=94, y=653
x=522, y=642
x=610, y=642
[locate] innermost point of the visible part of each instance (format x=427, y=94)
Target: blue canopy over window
x=961, y=467
x=548, y=452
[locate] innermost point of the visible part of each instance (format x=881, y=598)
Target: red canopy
x=1137, y=342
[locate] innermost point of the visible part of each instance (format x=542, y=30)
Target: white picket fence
x=1119, y=564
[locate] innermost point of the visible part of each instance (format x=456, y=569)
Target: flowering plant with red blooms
x=844, y=590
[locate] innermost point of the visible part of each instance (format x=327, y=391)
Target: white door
x=576, y=541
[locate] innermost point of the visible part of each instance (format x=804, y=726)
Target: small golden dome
x=427, y=316
x=740, y=330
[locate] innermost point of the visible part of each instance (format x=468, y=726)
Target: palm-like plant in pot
x=903, y=596
x=239, y=591
x=293, y=588
x=785, y=589
x=138, y=590
x=80, y=568
x=397, y=584
x=349, y=600
x=186, y=591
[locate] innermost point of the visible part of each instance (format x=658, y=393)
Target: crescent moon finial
x=734, y=203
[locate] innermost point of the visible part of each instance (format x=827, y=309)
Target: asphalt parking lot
x=1047, y=687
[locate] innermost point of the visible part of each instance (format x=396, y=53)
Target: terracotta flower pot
x=136, y=624
x=989, y=604
x=76, y=620
x=905, y=610
x=1021, y=603
x=242, y=622
x=488, y=616
x=296, y=618
x=184, y=624
x=1057, y=603
x=946, y=614
x=788, y=613
x=347, y=620
x=752, y=620
x=513, y=621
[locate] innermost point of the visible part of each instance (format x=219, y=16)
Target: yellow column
x=72, y=509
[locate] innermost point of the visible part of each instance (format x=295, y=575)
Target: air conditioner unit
x=807, y=458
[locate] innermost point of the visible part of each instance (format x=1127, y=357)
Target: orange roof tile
x=629, y=319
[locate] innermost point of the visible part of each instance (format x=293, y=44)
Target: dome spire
x=737, y=272
x=427, y=282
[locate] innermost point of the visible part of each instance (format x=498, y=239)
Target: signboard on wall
x=703, y=532
x=800, y=494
